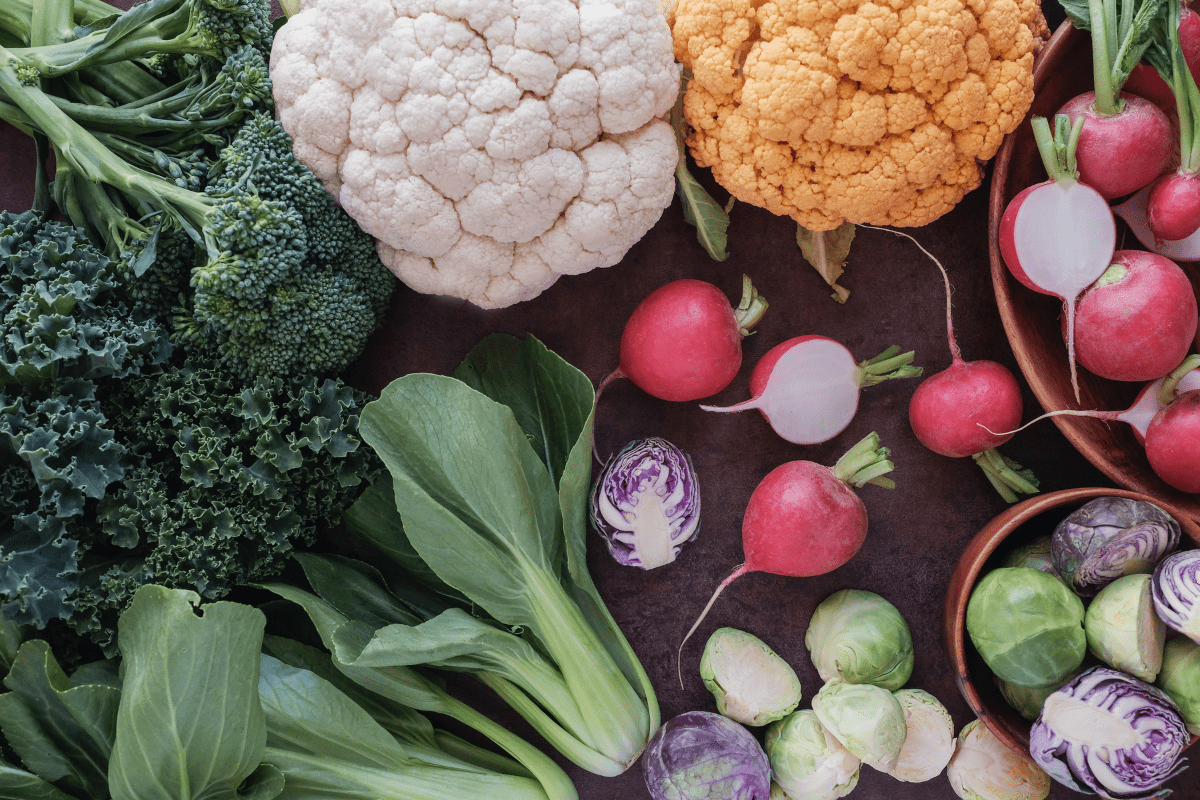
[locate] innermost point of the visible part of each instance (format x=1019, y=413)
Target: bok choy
x=479, y=535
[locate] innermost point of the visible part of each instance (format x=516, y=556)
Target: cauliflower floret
x=489, y=146
x=862, y=110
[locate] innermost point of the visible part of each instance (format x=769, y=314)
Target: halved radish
x=808, y=387
x=1057, y=237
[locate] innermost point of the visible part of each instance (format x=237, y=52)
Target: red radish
x=1057, y=237
x=1173, y=442
x=953, y=412
x=1133, y=212
x=808, y=387
x=1149, y=402
x=684, y=340
x=1127, y=141
x=1173, y=206
x=803, y=519
x=1166, y=420
x=1138, y=320
x=1120, y=153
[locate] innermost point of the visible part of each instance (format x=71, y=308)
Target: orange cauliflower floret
x=872, y=111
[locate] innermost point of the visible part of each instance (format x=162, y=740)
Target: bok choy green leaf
x=479, y=534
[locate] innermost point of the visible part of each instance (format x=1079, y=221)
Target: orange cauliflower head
x=872, y=112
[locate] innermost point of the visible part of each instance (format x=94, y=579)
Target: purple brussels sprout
x=700, y=755
x=1109, y=733
x=646, y=503
x=1108, y=538
x=1175, y=588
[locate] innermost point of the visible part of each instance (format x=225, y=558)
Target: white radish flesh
x=808, y=387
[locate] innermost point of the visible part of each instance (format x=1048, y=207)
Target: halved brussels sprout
x=750, y=683
x=1122, y=629
x=859, y=637
x=984, y=768
x=929, y=739
x=807, y=761
x=1027, y=626
x=867, y=719
x=1180, y=679
x=1027, y=701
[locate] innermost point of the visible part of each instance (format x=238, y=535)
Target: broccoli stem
x=79, y=148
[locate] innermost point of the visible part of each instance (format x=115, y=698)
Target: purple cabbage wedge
x=1110, y=537
x=1175, y=589
x=700, y=755
x=1109, y=733
x=646, y=503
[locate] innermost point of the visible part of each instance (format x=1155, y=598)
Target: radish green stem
x=865, y=463
x=1007, y=476
x=1167, y=393
x=1057, y=149
x=1187, y=96
x=750, y=308
x=891, y=363
x=1104, y=46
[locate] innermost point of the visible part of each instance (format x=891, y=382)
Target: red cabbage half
x=700, y=755
x=1110, y=733
x=1175, y=588
x=646, y=503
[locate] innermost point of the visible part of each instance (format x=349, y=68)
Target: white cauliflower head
x=488, y=145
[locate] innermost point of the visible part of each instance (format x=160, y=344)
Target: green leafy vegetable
x=700, y=210
x=184, y=666
x=827, y=252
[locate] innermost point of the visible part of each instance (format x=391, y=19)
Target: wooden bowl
x=1016, y=526
x=1031, y=320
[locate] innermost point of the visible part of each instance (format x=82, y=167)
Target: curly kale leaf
x=224, y=479
x=63, y=314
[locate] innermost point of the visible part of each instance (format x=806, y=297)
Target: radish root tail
x=1064, y=412
x=737, y=573
x=955, y=353
x=609, y=378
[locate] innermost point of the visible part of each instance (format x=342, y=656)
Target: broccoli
x=285, y=282
x=209, y=28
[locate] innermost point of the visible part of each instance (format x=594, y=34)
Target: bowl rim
x=970, y=564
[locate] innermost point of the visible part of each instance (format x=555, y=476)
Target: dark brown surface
x=1016, y=526
x=917, y=532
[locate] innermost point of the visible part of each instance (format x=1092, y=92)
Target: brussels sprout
x=1027, y=626
x=1109, y=537
x=704, y=756
x=1176, y=589
x=1122, y=629
x=1036, y=554
x=858, y=637
x=984, y=768
x=1109, y=733
x=807, y=761
x=867, y=719
x=1180, y=679
x=751, y=684
x=1026, y=701
x=646, y=503
x=929, y=740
